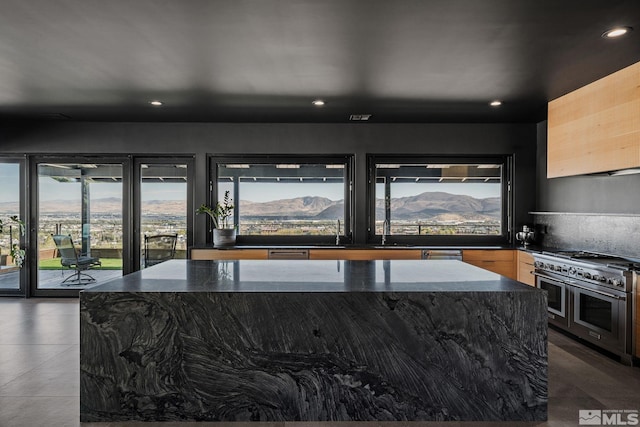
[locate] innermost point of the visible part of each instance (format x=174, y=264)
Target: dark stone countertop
x=268, y=276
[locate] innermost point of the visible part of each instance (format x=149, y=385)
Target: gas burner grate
x=625, y=265
x=579, y=255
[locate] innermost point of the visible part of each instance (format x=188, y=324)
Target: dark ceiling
x=266, y=60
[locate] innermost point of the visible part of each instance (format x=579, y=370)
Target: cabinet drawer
x=525, y=268
x=504, y=268
x=487, y=255
x=213, y=254
x=365, y=254
x=525, y=274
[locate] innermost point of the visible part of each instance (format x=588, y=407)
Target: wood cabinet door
x=499, y=261
x=596, y=128
x=365, y=254
x=213, y=254
x=525, y=268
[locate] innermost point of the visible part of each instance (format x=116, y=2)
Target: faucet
x=338, y=233
x=386, y=229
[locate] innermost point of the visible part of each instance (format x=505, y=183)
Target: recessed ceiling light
x=318, y=102
x=616, y=32
x=495, y=103
x=155, y=103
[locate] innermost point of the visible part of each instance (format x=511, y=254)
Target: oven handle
x=606, y=294
x=553, y=279
x=569, y=282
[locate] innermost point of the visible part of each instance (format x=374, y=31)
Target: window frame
x=459, y=240
x=346, y=235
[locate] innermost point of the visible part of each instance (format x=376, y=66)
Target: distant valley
x=438, y=206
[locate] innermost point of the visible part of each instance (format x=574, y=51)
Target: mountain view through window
x=438, y=199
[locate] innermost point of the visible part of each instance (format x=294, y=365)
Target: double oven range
x=590, y=296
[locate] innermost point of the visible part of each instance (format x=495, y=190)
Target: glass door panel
x=83, y=202
x=163, y=212
x=10, y=236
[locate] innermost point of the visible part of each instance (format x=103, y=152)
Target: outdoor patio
x=52, y=279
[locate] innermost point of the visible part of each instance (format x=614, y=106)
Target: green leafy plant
x=16, y=252
x=221, y=213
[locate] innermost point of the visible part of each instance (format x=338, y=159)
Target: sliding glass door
x=81, y=209
x=162, y=200
x=11, y=215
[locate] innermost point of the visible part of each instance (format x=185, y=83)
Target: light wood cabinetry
x=596, y=128
x=211, y=254
x=501, y=261
x=326, y=254
x=637, y=321
x=365, y=254
x=525, y=268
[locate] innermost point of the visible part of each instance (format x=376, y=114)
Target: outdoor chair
x=159, y=248
x=69, y=258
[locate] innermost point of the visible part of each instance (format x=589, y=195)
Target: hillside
x=429, y=205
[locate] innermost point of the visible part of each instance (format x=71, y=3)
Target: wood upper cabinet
x=596, y=128
x=525, y=268
x=501, y=261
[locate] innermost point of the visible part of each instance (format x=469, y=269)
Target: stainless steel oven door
x=557, y=299
x=600, y=317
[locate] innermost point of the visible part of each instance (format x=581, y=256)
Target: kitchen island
x=273, y=340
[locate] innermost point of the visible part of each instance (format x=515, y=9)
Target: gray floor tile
x=39, y=411
x=15, y=360
x=60, y=376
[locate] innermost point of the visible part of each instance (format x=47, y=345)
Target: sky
x=258, y=192
x=10, y=188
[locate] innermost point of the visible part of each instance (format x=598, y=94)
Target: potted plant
x=224, y=233
x=16, y=253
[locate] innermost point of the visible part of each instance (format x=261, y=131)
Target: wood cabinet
x=525, y=268
x=637, y=321
x=365, y=254
x=326, y=254
x=596, y=128
x=501, y=261
x=211, y=254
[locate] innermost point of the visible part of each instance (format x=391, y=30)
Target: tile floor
x=39, y=374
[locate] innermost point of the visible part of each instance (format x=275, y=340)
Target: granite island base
x=313, y=341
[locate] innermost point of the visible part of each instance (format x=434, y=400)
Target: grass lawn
x=107, y=264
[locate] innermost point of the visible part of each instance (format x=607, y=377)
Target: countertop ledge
x=312, y=276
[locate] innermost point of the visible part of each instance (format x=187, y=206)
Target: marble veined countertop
x=312, y=276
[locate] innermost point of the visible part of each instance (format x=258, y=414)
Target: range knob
x=538, y=264
x=599, y=278
x=587, y=275
x=615, y=282
x=572, y=271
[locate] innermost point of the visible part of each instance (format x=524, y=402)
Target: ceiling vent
x=53, y=116
x=359, y=117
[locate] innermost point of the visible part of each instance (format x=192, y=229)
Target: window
x=424, y=199
x=287, y=199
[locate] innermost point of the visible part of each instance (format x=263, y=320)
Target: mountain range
x=428, y=205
